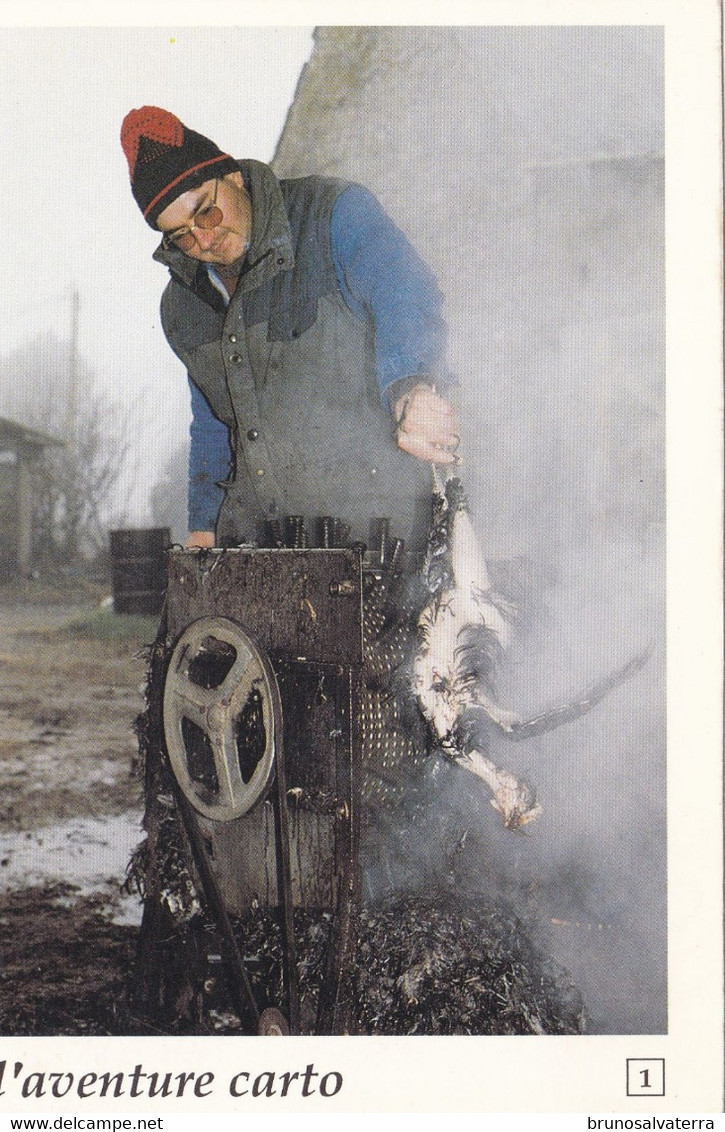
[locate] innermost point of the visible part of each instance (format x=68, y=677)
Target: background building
x=21, y=450
x=526, y=164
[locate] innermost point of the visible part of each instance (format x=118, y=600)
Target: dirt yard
x=71, y=686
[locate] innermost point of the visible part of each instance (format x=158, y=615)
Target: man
x=312, y=335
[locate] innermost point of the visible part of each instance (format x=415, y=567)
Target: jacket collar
x=270, y=248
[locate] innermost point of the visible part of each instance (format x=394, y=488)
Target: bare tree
x=45, y=385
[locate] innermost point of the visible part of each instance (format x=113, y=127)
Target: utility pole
x=72, y=517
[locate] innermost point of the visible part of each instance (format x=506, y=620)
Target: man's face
x=227, y=243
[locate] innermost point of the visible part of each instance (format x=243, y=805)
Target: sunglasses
x=207, y=216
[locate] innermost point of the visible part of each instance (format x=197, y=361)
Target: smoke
x=526, y=164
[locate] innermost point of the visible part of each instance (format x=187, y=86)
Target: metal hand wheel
x=222, y=718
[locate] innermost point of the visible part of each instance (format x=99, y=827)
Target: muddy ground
x=71, y=678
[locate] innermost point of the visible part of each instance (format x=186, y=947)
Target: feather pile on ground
x=423, y=965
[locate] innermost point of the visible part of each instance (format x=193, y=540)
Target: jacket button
x=236, y=358
x=252, y=434
x=232, y=337
x=260, y=471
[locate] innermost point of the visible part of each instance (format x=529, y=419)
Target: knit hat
x=165, y=159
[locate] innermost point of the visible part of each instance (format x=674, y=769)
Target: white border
x=536, y=1075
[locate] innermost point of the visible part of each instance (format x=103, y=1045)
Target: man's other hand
x=427, y=426
x=205, y=539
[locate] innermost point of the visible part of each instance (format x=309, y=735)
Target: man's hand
x=427, y=426
x=205, y=539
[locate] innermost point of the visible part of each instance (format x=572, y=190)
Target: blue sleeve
x=209, y=463
x=382, y=277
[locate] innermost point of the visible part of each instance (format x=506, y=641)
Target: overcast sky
x=69, y=217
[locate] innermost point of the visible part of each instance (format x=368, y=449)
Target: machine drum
x=222, y=718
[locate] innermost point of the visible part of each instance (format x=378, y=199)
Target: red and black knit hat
x=165, y=159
